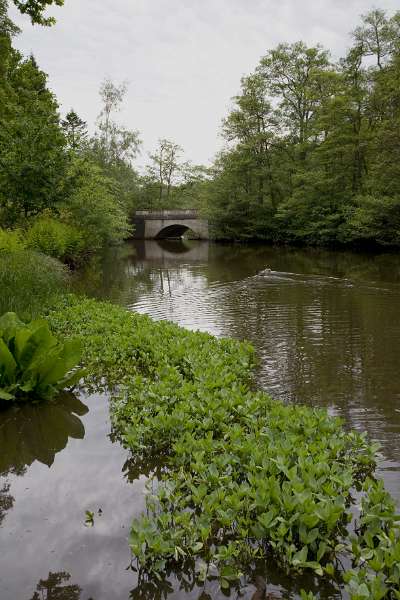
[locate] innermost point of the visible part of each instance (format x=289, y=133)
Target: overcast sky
x=183, y=59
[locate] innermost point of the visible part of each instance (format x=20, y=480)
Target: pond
x=326, y=328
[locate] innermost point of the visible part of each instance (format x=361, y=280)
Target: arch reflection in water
x=38, y=432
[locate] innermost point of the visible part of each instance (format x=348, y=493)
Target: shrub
x=56, y=239
x=33, y=365
x=95, y=206
x=29, y=282
x=11, y=241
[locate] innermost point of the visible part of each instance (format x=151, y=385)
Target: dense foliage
x=57, y=239
x=33, y=364
x=239, y=476
x=312, y=151
x=72, y=193
x=313, y=145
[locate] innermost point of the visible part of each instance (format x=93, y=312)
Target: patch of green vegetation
x=243, y=476
x=57, y=239
x=29, y=282
x=11, y=241
x=33, y=364
x=375, y=547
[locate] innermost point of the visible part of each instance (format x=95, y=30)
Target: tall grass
x=29, y=282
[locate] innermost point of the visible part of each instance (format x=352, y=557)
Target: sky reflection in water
x=327, y=332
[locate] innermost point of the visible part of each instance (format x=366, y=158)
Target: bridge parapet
x=169, y=214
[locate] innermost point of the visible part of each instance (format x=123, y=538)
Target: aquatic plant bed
x=242, y=476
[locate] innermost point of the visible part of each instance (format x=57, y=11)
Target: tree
x=114, y=143
x=297, y=76
x=7, y=30
x=189, y=191
x=7, y=27
x=165, y=166
x=32, y=145
x=253, y=124
x=373, y=37
x=113, y=147
x=94, y=204
x=75, y=130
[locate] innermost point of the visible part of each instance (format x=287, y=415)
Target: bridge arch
x=162, y=224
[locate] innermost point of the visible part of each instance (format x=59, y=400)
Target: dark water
x=326, y=327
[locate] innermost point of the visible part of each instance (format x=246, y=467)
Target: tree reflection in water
x=38, y=432
x=35, y=432
x=6, y=500
x=55, y=588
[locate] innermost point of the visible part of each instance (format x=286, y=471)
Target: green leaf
x=8, y=365
x=224, y=583
x=71, y=380
x=33, y=343
x=301, y=556
x=57, y=367
x=5, y=395
x=9, y=323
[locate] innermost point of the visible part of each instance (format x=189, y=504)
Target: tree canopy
x=35, y=9
x=313, y=145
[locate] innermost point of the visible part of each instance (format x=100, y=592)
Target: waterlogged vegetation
x=33, y=364
x=242, y=476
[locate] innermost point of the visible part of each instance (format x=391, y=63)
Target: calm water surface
x=326, y=327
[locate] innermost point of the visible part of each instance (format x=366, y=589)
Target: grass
x=29, y=282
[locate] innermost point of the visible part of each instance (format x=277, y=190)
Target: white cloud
x=183, y=58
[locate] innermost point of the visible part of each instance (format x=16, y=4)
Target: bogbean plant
x=375, y=547
x=244, y=476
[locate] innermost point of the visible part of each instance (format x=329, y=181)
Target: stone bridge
x=163, y=224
